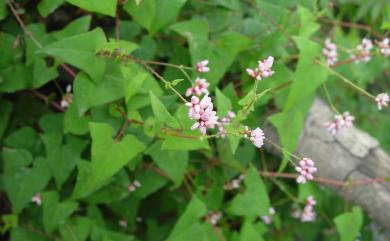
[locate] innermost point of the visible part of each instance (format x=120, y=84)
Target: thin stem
x=46, y=100
x=329, y=99
x=283, y=150
x=168, y=64
x=58, y=87
x=284, y=190
x=186, y=75
x=347, y=81
x=367, y=28
x=272, y=21
x=31, y=36
x=151, y=70
x=117, y=25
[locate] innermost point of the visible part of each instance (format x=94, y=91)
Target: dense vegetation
x=143, y=119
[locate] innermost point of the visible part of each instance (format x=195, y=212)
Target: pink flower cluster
x=213, y=217
x=256, y=136
x=263, y=69
x=306, y=170
x=225, y=121
x=202, y=67
x=234, y=184
x=384, y=46
x=37, y=199
x=200, y=87
x=133, y=186
x=202, y=112
x=308, y=214
x=382, y=100
x=267, y=219
x=340, y=122
x=67, y=98
x=363, y=50
x=330, y=52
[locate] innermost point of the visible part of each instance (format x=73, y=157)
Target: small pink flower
x=306, y=170
x=256, y=136
x=254, y=73
x=203, y=113
x=308, y=214
x=225, y=121
x=37, y=199
x=263, y=69
x=213, y=217
x=384, y=46
x=330, y=52
x=382, y=100
x=364, y=50
x=267, y=219
x=348, y=119
x=200, y=87
x=134, y=186
x=67, y=98
x=123, y=223
x=234, y=184
x=202, y=67
x=340, y=122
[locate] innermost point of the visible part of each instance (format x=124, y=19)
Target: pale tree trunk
x=351, y=155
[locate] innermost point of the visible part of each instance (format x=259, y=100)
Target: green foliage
x=348, y=224
x=254, y=201
x=108, y=157
x=114, y=158
x=154, y=14
x=107, y=7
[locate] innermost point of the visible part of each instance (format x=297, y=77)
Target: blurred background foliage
x=53, y=153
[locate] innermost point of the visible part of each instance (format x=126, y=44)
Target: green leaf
x=80, y=51
x=22, y=184
x=308, y=22
x=62, y=158
x=76, y=27
x=154, y=14
x=133, y=85
x=289, y=125
x=175, y=143
x=254, y=202
x=308, y=75
x=8, y=221
x=52, y=122
x=46, y=7
x=15, y=159
x=161, y=113
x=221, y=52
x=188, y=224
x=223, y=103
x=16, y=77
x=108, y=157
x=348, y=224
x=55, y=212
x=176, y=81
x=6, y=109
x=73, y=123
x=88, y=93
x=151, y=182
x=122, y=46
x=77, y=229
x=174, y=163
x=249, y=232
x=107, y=7
x=25, y=137
x=20, y=234
x=3, y=9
